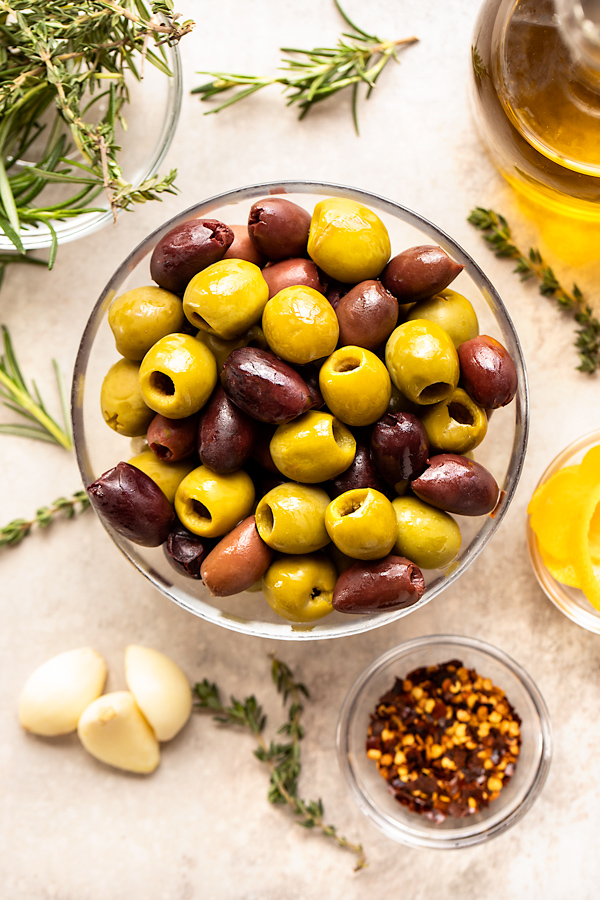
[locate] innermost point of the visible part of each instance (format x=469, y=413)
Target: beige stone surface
x=200, y=828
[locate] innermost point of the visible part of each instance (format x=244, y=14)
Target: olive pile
x=297, y=435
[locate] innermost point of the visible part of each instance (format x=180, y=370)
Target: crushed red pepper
x=445, y=739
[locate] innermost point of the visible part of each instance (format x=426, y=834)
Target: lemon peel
x=581, y=555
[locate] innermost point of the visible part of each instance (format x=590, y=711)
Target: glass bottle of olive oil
x=536, y=79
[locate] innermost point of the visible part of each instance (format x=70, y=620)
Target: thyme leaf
x=15, y=531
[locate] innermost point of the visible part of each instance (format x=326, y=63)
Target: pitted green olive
x=428, y=537
x=140, y=317
x=362, y=523
x=300, y=325
x=121, y=400
x=422, y=361
x=347, y=240
x=222, y=349
x=177, y=376
x=300, y=588
x=291, y=518
x=226, y=298
x=168, y=476
x=312, y=448
x=210, y=504
x=452, y=312
x=456, y=425
x=355, y=385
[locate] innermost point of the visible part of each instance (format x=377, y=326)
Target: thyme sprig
x=15, y=531
x=28, y=402
x=281, y=756
x=358, y=58
x=58, y=63
x=497, y=233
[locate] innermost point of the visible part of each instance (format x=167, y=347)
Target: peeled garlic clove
x=160, y=688
x=56, y=694
x=113, y=729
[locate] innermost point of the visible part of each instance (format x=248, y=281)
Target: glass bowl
x=569, y=600
x=369, y=789
x=98, y=448
x=151, y=114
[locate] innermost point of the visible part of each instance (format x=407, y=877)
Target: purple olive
x=279, y=228
x=367, y=315
x=487, y=372
x=186, y=250
x=186, y=551
x=243, y=248
x=172, y=439
x=265, y=387
x=361, y=472
x=419, y=272
x=382, y=585
x=457, y=485
x=226, y=434
x=400, y=448
x=133, y=505
x=336, y=290
x=290, y=272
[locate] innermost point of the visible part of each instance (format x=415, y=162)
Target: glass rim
x=358, y=624
x=445, y=840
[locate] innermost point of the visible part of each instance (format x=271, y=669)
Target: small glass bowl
x=369, y=789
x=151, y=113
x=571, y=601
x=99, y=448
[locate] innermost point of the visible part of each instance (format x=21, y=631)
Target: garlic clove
x=114, y=730
x=160, y=688
x=56, y=693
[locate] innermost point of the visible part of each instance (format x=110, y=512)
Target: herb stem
x=15, y=531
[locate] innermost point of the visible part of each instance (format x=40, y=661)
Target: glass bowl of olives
x=444, y=742
x=283, y=413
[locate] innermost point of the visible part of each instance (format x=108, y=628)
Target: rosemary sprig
x=29, y=404
x=497, y=234
x=18, y=529
x=282, y=757
x=58, y=62
x=358, y=58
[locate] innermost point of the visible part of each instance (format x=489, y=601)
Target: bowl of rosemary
x=76, y=142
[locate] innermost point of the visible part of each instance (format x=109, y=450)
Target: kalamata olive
x=261, y=452
x=291, y=272
x=361, y=472
x=265, y=387
x=367, y=315
x=336, y=290
x=243, y=248
x=457, y=485
x=279, y=228
x=172, y=439
x=187, y=249
x=400, y=448
x=381, y=585
x=133, y=505
x=186, y=551
x=310, y=374
x=237, y=562
x=226, y=434
x=487, y=372
x=419, y=272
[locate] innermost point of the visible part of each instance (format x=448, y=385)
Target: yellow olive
x=455, y=425
x=300, y=588
x=122, y=402
x=428, y=537
x=355, y=385
x=347, y=240
x=362, y=523
x=312, y=448
x=422, y=361
x=168, y=476
x=291, y=518
x=210, y=505
x=300, y=325
x=140, y=317
x=177, y=376
x=226, y=298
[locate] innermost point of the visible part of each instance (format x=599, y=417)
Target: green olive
x=210, y=505
x=347, y=240
x=355, y=385
x=291, y=518
x=312, y=448
x=226, y=298
x=140, y=317
x=422, y=361
x=362, y=523
x=452, y=312
x=456, y=425
x=168, y=476
x=428, y=537
x=121, y=400
x=221, y=349
x=300, y=325
x=177, y=376
x=300, y=588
